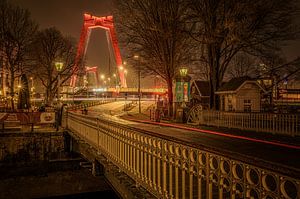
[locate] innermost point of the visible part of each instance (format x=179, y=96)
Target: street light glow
x=183, y=71
x=102, y=76
x=59, y=66
x=121, y=67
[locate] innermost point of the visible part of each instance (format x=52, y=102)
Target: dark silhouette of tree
x=225, y=27
x=24, y=95
x=49, y=47
x=16, y=33
x=242, y=65
x=156, y=31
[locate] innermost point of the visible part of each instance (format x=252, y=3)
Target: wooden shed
x=241, y=95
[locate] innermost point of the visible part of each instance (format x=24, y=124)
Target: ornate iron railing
x=171, y=169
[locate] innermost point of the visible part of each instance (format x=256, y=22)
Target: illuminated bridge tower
x=106, y=23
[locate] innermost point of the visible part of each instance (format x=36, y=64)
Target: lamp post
x=109, y=85
x=59, y=67
x=137, y=57
x=182, y=92
x=32, y=91
x=115, y=76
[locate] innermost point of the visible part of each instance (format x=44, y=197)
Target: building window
x=247, y=105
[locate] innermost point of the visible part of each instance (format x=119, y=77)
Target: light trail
x=219, y=134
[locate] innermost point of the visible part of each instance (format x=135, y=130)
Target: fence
x=169, y=169
x=287, y=124
x=27, y=121
x=89, y=104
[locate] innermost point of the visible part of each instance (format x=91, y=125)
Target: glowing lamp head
x=59, y=66
x=183, y=71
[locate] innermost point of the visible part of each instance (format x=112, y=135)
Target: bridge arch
x=106, y=23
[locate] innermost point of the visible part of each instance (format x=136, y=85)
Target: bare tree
x=156, y=31
x=242, y=65
x=226, y=27
x=277, y=68
x=51, y=46
x=16, y=33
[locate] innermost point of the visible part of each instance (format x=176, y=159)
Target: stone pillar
x=97, y=168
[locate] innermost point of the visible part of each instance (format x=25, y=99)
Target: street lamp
x=182, y=92
x=32, y=91
x=183, y=71
x=137, y=57
x=115, y=76
x=59, y=66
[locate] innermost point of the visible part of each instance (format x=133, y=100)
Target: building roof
x=234, y=84
x=203, y=87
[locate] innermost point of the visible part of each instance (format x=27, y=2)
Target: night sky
x=67, y=16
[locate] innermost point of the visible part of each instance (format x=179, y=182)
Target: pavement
x=275, y=152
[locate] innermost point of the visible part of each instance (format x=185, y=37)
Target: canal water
x=58, y=179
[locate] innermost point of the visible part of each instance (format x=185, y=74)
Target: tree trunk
x=214, y=78
x=49, y=97
x=170, y=97
x=12, y=90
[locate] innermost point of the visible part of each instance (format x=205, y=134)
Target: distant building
x=241, y=95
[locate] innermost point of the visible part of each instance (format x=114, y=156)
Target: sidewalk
x=288, y=141
x=273, y=152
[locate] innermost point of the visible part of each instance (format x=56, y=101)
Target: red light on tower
x=91, y=22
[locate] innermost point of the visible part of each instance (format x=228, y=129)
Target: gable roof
x=202, y=87
x=234, y=84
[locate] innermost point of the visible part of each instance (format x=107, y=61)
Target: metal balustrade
x=171, y=169
x=89, y=104
x=286, y=124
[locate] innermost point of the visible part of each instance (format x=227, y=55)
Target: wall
x=249, y=91
x=27, y=147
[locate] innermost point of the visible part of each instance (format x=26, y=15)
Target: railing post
x=209, y=193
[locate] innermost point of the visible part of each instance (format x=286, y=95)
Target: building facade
x=241, y=95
